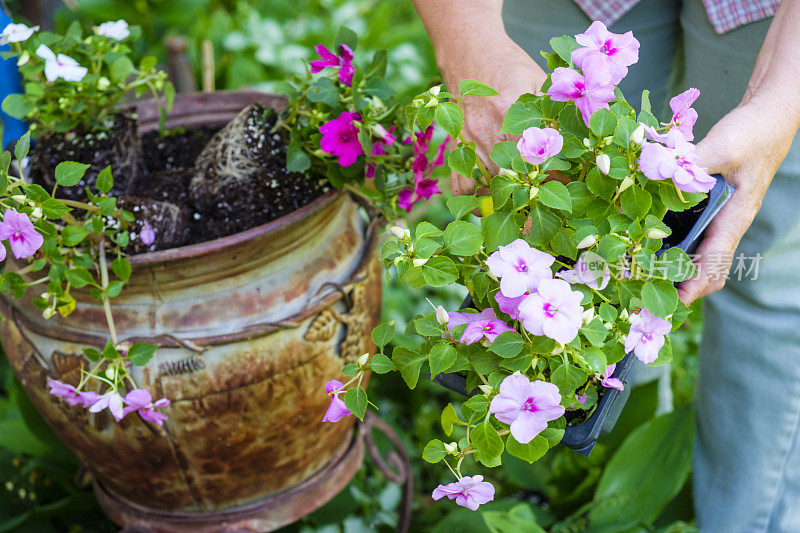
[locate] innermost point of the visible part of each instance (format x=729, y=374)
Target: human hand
x=746, y=147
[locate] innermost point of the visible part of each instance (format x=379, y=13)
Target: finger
x=461, y=185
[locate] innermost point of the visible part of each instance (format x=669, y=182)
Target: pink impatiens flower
x=344, y=62
x=591, y=91
x=646, y=336
x=112, y=401
x=385, y=139
x=519, y=267
x=537, y=145
x=588, y=272
x=677, y=161
x=526, y=406
x=683, y=114
x=337, y=409
x=22, y=236
x=483, y=325
x=140, y=400
x=70, y=395
x=424, y=185
x=340, y=138
x=612, y=383
x=510, y=306
x=617, y=51
x=147, y=235
x=469, y=492
x=553, y=310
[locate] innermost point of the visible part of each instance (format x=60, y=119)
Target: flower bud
x=398, y=260
x=588, y=241
x=442, y=317
x=435, y=90
x=588, y=315
x=23, y=58
x=627, y=182
x=603, y=163
x=532, y=192
x=507, y=173
x=20, y=198
x=637, y=137
x=418, y=261
x=486, y=389
x=433, y=102
x=48, y=313
x=379, y=131
x=451, y=447
x=36, y=214
x=362, y=361
x=401, y=232
x=587, y=143
x=656, y=233
x=112, y=372
x=624, y=314
x=486, y=343
x=417, y=102
x=103, y=83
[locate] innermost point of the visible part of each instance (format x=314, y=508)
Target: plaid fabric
x=724, y=15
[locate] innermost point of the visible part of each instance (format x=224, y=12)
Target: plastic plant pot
x=688, y=227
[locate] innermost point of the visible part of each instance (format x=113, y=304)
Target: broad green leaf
x=499, y=229
x=660, y=297
x=486, y=440
x=70, y=173
x=54, y=209
x=17, y=106
x=463, y=238
x=409, y=363
x=121, y=69
x=636, y=202
x=356, y=401
x=595, y=332
x=622, y=132
x=79, y=277
x=140, y=353
x=121, y=268
x=531, y=451
x=503, y=154
x=434, y=451
x=439, y=271
x=602, y=122
x=383, y=334
x=450, y=118
x=380, y=364
x=441, y=358
x=323, y=90
x=508, y=344
x=72, y=235
x=105, y=180
x=521, y=116
x=595, y=359
x=449, y=418
x=556, y=195
x=462, y=160
x=296, y=159
x=564, y=46
x=568, y=377
x=544, y=226
x=476, y=88
x=23, y=146
x=460, y=206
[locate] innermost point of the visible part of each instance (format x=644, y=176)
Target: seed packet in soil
x=158, y=225
x=240, y=179
x=118, y=146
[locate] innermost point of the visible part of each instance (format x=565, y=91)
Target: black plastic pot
x=687, y=230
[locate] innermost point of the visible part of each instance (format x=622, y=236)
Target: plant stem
x=112, y=329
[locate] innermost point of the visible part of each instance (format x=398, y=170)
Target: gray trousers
x=747, y=458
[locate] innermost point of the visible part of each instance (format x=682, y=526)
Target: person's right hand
x=501, y=64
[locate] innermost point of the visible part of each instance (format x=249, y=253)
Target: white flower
x=114, y=30
x=60, y=66
x=16, y=33
x=603, y=163
x=638, y=134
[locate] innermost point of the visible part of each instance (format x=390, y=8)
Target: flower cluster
x=137, y=400
x=561, y=268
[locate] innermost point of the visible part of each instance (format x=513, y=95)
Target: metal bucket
x=250, y=326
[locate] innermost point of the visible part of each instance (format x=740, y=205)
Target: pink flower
x=537, y=145
x=646, y=336
x=70, y=395
x=337, y=409
x=519, y=267
x=591, y=91
x=147, y=235
x=510, y=306
x=678, y=163
x=140, y=400
x=683, y=115
x=483, y=325
x=344, y=62
x=581, y=399
x=616, y=51
x=526, y=406
x=111, y=401
x=340, y=138
x=608, y=381
x=469, y=492
x=385, y=140
x=553, y=310
x=22, y=236
x=424, y=185
x=588, y=272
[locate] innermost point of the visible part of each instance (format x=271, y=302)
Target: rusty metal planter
x=251, y=326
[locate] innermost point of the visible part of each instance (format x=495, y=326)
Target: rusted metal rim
x=308, y=496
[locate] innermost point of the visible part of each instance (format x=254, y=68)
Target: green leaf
x=383, y=334
x=55, y=209
x=296, y=159
x=426, y=229
x=461, y=205
x=439, y=271
x=602, y=122
x=611, y=248
x=434, y=451
x=409, y=363
x=508, y=344
x=449, y=418
x=23, y=146
x=521, y=116
x=636, y=202
x=675, y=265
x=556, y=195
x=17, y=106
x=499, y=229
x=660, y=297
x=622, y=132
x=141, y=353
x=463, y=238
x=323, y=90
x=530, y=452
x=110, y=351
x=381, y=364
x=595, y=359
x=476, y=88
x=92, y=354
x=79, y=277
x=450, y=118
x=595, y=332
x=486, y=440
x=73, y=235
x=544, y=226
x=568, y=377
x=564, y=46
x=70, y=173
x=503, y=154
x=121, y=268
x=348, y=37
x=441, y=358
x=355, y=400
x=462, y=160
x=121, y=69
x=114, y=288
x=105, y=180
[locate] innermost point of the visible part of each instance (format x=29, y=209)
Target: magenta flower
x=483, y=325
x=519, y=267
x=526, y=406
x=70, y=395
x=587, y=272
x=581, y=399
x=140, y=400
x=385, y=140
x=22, y=236
x=111, y=401
x=553, y=310
x=678, y=163
x=608, y=381
x=591, y=91
x=344, y=62
x=340, y=138
x=509, y=306
x=537, y=145
x=616, y=51
x=469, y=491
x=337, y=409
x=147, y=235
x=424, y=185
x=683, y=114
x=646, y=336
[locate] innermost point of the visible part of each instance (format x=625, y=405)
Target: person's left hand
x=747, y=146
